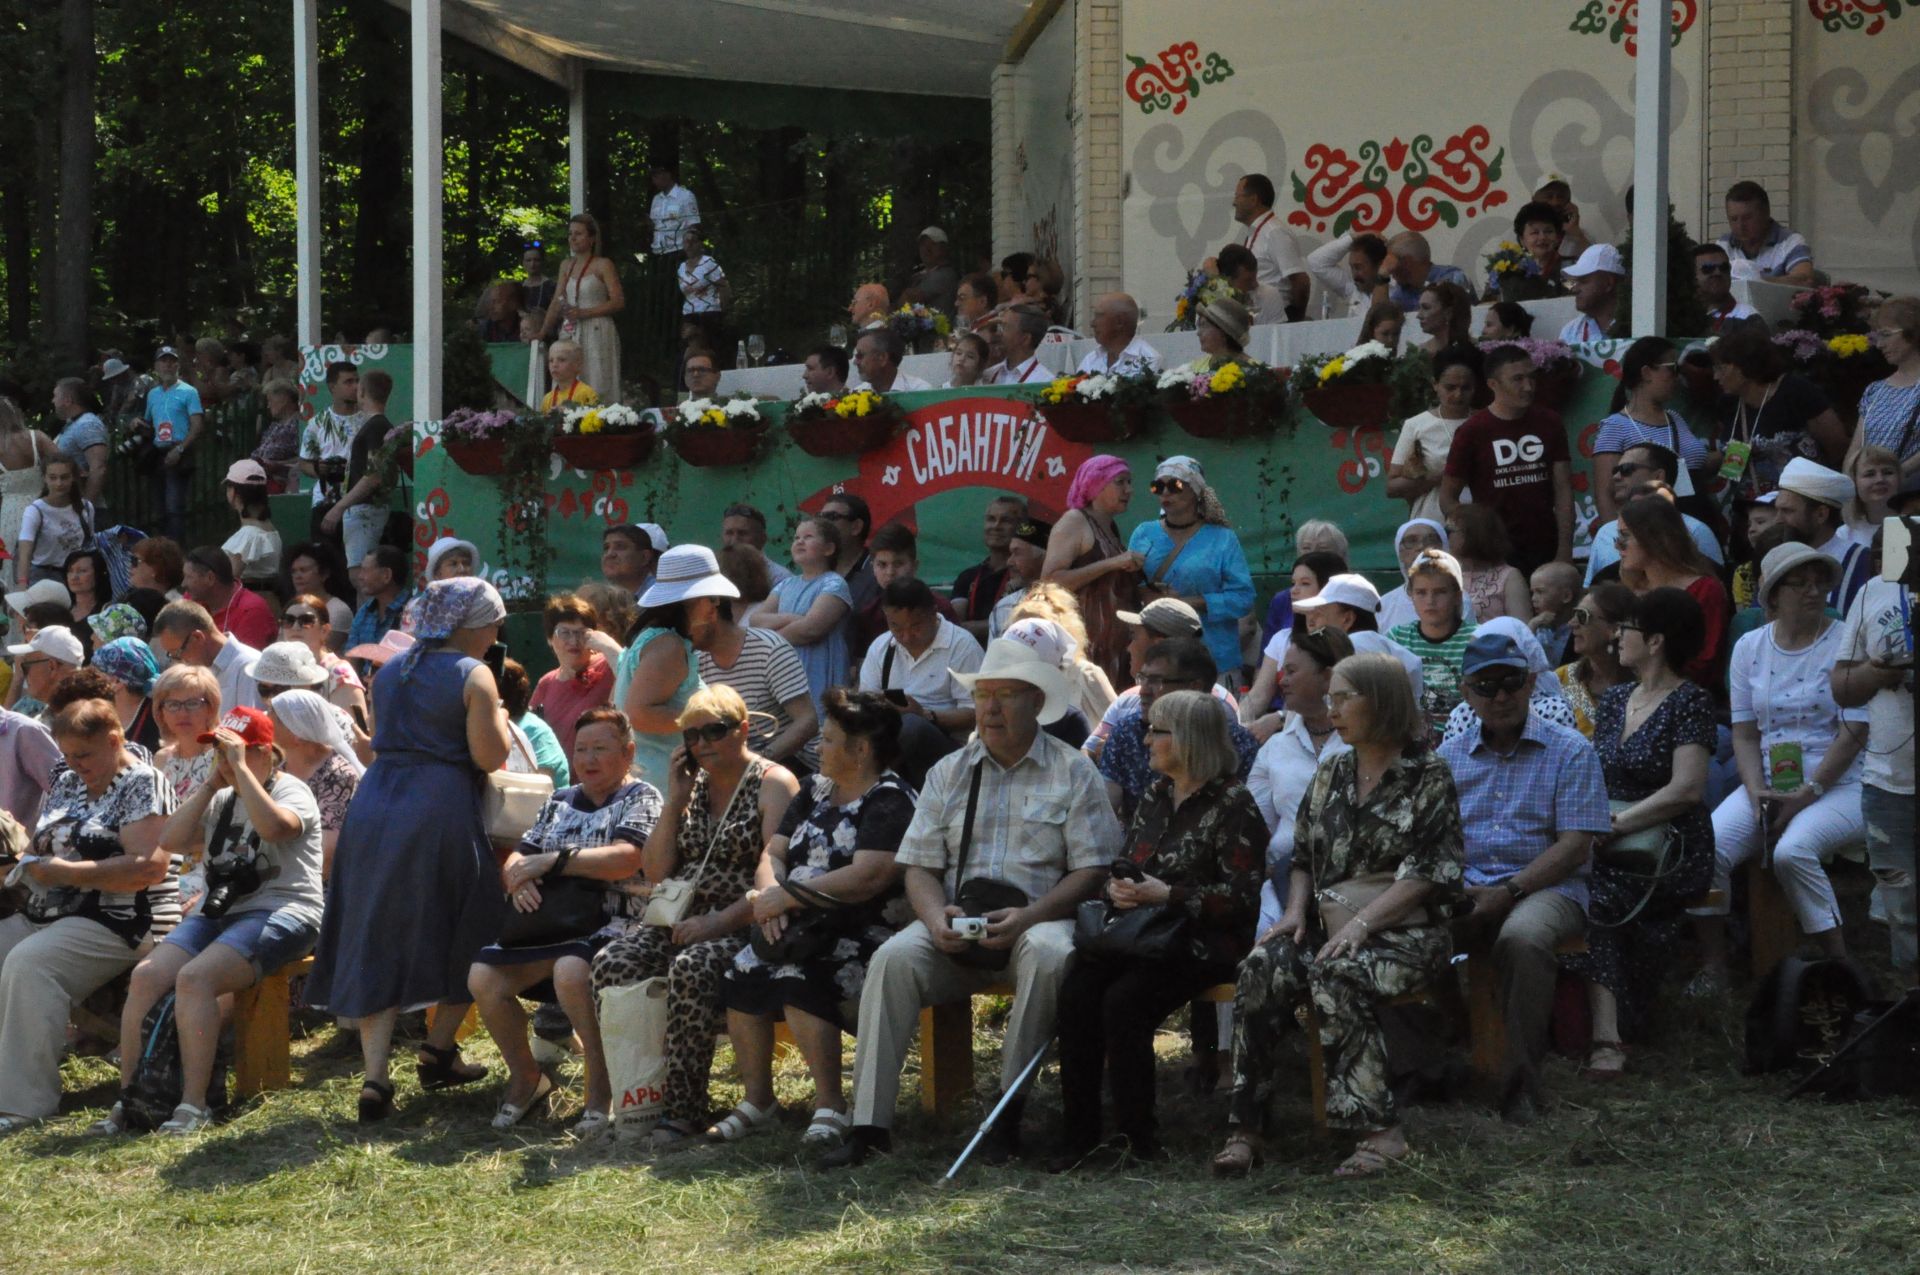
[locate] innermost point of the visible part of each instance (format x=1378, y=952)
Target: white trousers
x=45, y=970
x=1831, y=824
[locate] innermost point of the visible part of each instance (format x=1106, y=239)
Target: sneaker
x=864, y=1141
x=188, y=1119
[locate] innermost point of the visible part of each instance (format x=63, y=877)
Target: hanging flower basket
x=711, y=434
x=1224, y=416
x=1350, y=406
x=483, y=458
x=1097, y=408
x=844, y=425
x=603, y=451
x=1091, y=423
x=1233, y=401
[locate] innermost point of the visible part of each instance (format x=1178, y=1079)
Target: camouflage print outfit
x=1410, y=826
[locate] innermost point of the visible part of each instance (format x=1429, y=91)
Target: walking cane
x=986, y=1126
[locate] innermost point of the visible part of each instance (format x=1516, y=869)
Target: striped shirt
x=1043, y=817
x=1439, y=668
x=700, y=285
x=767, y=673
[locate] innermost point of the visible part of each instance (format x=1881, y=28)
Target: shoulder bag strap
x=1906, y=431
x=966, y=827
x=1166, y=564
x=886, y=663
x=720, y=827
x=221, y=827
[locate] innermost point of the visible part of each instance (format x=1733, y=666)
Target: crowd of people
x=804, y=785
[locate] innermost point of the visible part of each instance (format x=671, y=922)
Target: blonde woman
x=587, y=296
x=1093, y=692
x=186, y=701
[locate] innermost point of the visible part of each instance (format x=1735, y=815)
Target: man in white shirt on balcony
x=1120, y=351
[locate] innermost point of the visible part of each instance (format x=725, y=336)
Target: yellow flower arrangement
x=1060, y=390
x=1848, y=345
x=592, y=423
x=1333, y=368
x=857, y=403
x=715, y=417
x=1228, y=378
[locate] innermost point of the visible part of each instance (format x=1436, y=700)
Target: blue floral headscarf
x=130, y=662
x=447, y=606
x=117, y=621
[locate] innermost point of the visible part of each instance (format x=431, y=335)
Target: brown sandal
x=1238, y=1158
x=1366, y=1161
x=1606, y=1073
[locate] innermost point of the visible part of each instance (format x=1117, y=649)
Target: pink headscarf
x=1092, y=477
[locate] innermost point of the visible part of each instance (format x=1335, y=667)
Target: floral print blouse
x=1213, y=850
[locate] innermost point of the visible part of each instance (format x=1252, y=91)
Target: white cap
x=1815, y=481
x=56, y=641
x=934, y=233
x=1599, y=258
x=655, y=534
x=1347, y=589
x=38, y=592
x=448, y=544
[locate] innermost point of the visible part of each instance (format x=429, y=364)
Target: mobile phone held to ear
x=497, y=660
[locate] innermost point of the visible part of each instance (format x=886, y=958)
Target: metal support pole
x=1652, y=109
x=306, y=170
x=577, y=136
x=429, y=274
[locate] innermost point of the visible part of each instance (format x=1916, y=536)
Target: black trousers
x=1109, y=1010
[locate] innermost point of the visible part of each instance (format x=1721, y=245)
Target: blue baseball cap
x=1492, y=650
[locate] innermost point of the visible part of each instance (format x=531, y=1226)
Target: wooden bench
x=262, y=1035
x=1486, y=1024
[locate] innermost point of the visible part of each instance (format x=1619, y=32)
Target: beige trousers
x=45, y=970
x=908, y=973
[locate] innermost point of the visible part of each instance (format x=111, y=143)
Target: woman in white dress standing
x=587, y=298
x=23, y=452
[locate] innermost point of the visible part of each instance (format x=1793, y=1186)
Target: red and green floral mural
x=1869, y=17
x=1619, y=21
x=1173, y=79
x=1411, y=185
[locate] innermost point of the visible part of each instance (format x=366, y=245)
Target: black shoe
x=1143, y=1149
x=1002, y=1143
x=376, y=1101
x=1520, y=1103
x=445, y=1069
x=550, y=1022
x=864, y=1141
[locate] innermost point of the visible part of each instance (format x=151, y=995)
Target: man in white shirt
x=1713, y=282
x=877, y=355
x=1270, y=242
x=914, y=657
x=1759, y=246
x=1116, y=322
x=184, y=632
x=674, y=210
x=1265, y=303
x=1596, y=292
x=1022, y=328
x=1347, y=268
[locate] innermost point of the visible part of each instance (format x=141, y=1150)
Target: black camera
x=333, y=469
x=229, y=877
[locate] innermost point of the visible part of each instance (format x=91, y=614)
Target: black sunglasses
x=1491, y=687
x=1162, y=486
x=1714, y=267
x=711, y=733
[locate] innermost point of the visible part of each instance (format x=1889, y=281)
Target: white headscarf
x=316, y=721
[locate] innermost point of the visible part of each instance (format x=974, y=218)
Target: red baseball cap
x=250, y=724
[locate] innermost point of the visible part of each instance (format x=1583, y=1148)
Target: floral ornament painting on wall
x=1868, y=16
x=1408, y=183
x=1620, y=20
x=1175, y=78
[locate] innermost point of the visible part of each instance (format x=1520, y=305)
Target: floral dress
x=821, y=838
x=729, y=845
x=1629, y=960
x=1408, y=825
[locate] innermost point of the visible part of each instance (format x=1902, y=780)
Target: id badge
x=1735, y=464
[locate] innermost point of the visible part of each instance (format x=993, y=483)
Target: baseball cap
x=245, y=472
x=934, y=233
x=649, y=533
x=166, y=352
x=56, y=642
x=38, y=592
x=1599, y=258
x=1169, y=617
x=1492, y=650
x=250, y=724
x=1348, y=589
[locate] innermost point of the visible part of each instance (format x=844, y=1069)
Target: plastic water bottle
x=740, y=354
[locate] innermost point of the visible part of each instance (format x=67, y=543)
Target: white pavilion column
x=306, y=170
x=429, y=239
x=577, y=135
x=1652, y=120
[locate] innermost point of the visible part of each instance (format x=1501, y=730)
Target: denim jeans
x=1890, y=852
x=171, y=487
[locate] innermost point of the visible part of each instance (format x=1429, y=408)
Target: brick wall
x=1097, y=167
x=1749, y=103
x=1008, y=234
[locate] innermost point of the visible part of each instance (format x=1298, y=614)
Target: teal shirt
x=547, y=753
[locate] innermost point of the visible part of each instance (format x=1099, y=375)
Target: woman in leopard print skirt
x=723, y=803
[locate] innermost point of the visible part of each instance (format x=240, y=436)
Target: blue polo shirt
x=1408, y=299
x=172, y=411
x=1514, y=806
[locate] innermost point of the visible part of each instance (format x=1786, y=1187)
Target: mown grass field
x=1683, y=1166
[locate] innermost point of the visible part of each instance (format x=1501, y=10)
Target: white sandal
x=741, y=1121
x=828, y=1128
x=511, y=1114
x=592, y=1125
x=111, y=1124
x=187, y=1119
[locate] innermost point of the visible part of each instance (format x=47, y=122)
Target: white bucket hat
x=446, y=545
x=687, y=571
x=287, y=664
x=1012, y=661
x=1782, y=560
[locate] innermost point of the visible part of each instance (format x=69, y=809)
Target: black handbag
x=1150, y=932
x=811, y=931
x=981, y=895
x=570, y=908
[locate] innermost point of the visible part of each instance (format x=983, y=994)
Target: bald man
x=1119, y=350
x=1411, y=268
x=871, y=306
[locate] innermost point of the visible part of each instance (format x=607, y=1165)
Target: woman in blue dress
x=659, y=672
x=415, y=891
x=807, y=607
x=1192, y=554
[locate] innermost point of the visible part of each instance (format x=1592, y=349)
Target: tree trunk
x=381, y=281
x=46, y=216
x=16, y=219
x=73, y=266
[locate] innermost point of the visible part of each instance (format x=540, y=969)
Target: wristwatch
x=1817, y=788
x=1515, y=889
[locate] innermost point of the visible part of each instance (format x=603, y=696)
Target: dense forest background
x=147, y=191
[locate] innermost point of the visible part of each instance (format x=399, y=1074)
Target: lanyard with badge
x=1740, y=447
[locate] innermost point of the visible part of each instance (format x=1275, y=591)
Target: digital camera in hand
x=971, y=928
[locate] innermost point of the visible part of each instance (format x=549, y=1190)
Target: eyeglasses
x=834, y=517
x=299, y=620
x=1713, y=267
x=1158, y=730
x=1627, y=626
x=185, y=705
x=1494, y=687
x=1337, y=698
x=1671, y=365
x=711, y=733
x=1167, y=486
x=27, y=664
x=1626, y=467
x=1582, y=616
x=1004, y=696
x=1154, y=681
x=268, y=690
x=570, y=634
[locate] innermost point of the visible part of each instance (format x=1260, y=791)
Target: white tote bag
x=633, y=1031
